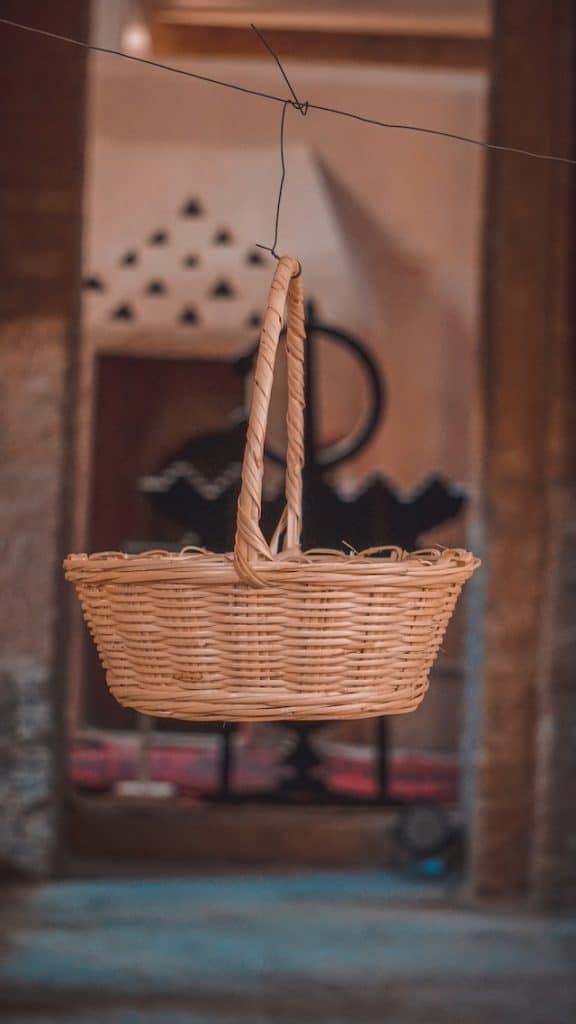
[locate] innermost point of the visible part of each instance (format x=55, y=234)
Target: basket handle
x=285, y=292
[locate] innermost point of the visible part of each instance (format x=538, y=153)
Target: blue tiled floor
x=339, y=948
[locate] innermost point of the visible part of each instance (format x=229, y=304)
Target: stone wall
x=32, y=399
x=42, y=112
x=28, y=818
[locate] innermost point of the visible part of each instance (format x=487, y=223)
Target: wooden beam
x=179, y=39
x=225, y=836
x=526, y=255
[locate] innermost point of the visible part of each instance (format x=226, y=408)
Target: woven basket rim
x=389, y=561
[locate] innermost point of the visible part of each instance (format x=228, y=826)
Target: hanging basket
x=263, y=634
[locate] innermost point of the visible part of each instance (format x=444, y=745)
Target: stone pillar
x=528, y=250
x=42, y=85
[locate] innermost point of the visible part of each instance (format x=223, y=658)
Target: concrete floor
x=328, y=948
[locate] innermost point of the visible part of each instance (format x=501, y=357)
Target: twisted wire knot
x=300, y=106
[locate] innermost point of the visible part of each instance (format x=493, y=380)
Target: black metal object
x=198, y=489
x=302, y=781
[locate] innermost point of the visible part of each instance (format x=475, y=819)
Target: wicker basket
x=260, y=634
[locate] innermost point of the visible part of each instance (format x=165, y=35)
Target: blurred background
x=415, y=866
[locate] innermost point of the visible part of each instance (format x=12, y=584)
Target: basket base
x=341, y=707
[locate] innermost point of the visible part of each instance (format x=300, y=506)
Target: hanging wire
x=446, y=135
x=272, y=248
x=140, y=60
x=302, y=107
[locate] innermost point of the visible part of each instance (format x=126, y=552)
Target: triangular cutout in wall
x=222, y=290
x=158, y=238
x=192, y=208
x=124, y=312
x=189, y=316
x=156, y=288
x=93, y=284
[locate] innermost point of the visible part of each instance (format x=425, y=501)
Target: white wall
x=387, y=232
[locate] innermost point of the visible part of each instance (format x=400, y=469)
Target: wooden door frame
x=522, y=691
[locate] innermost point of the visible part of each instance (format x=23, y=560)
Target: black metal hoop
x=341, y=451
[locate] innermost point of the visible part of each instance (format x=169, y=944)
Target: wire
x=140, y=60
x=272, y=248
x=302, y=107
x=294, y=102
x=446, y=135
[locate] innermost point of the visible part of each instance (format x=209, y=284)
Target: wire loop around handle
x=285, y=293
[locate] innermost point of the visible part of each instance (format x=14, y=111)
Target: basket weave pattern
x=263, y=634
